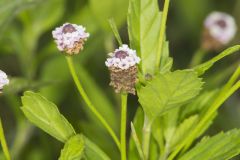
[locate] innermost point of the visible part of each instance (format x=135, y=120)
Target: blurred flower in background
x=219, y=29
x=3, y=80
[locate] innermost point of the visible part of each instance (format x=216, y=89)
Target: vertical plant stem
x=123, y=126
x=3, y=142
x=197, y=57
x=89, y=103
x=146, y=136
x=162, y=31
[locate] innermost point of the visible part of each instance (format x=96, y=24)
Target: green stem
x=197, y=57
x=89, y=103
x=146, y=136
x=162, y=31
x=123, y=126
x=3, y=142
x=137, y=142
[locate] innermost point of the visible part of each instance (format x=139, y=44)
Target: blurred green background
x=30, y=58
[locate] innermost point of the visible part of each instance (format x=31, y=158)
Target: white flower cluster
x=65, y=39
x=3, y=79
x=123, y=58
x=221, y=26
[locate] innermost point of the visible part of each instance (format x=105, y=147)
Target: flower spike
x=122, y=64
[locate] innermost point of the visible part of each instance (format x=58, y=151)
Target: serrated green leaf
x=222, y=146
x=182, y=130
x=202, y=68
x=45, y=115
x=167, y=91
x=73, y=148
x=144, y=21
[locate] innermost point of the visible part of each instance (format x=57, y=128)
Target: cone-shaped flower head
x=3, y=80
x=122, y=64
x=70, y=38
x=220, y=29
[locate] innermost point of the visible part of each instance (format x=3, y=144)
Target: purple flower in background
x=220, y=29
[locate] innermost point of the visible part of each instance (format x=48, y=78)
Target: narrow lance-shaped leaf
x=223, y=146
x=45, y=115
x=202, y=68
x=167, y=91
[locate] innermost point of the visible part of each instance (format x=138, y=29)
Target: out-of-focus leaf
x=45, y=115
x=222, y=146
x=20, y=84
x=109, y=9
x=37, y=19
x=9, y=9
x=61, y=79
x=73, y=148
x=202, y=68
x=167, y=91
x=144, y=21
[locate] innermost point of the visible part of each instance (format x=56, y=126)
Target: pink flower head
x=70, y=38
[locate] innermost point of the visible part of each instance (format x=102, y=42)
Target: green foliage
x=73, y=148
x=200, y=69
x=107, y=9
x=182, y=130
x=144, y=21
x=178, y=113
x=46, y=116
x=93, y=152
x=179, y=87
x=138, y=124
x=222, y=146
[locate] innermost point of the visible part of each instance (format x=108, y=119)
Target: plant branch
x=89, y=103
x=123, y=126
x=3, y=142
